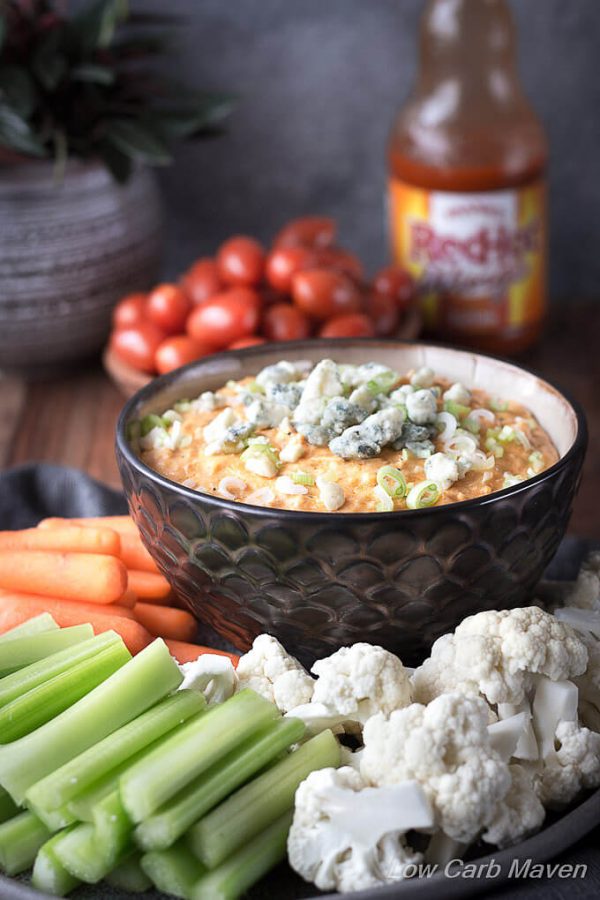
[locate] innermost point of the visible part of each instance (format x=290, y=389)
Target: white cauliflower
x=349, y=837
x=575, y=765
x=519, y=814
x=270, y=671
x=212, y=675
x=446, y=747
x=497, y=653
x=587, y=623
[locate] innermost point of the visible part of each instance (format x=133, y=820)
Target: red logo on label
x=498, y=247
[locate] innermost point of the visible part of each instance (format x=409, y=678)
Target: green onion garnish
x=257, y=449
x=384, y=501
x=304, y=478
x=471, y=425
x=510, y=480
x=254, y=387
x=150, y=422
x=392, y=481
x=423, y=494
x=457, y=409
x=536, y=460
x=498, y=405
x=182, y=406
x=382, y=384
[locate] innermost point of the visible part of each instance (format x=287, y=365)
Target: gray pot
x=68, y=252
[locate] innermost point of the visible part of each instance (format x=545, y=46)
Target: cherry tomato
x=241, y=260
x=177, y=351
x=322, y=293
x=168, y=307
x=129, y=311
x=383, y=312
x=351, y=325
x=284, y=322
x=136, y=345
x=251, y=341
x=396, y=283
x=284, y=262
x=225, y=318
x=202, y=280
x=309, y=231
x=343, y=261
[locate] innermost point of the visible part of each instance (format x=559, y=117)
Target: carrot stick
x=165, y=622
x=133, y=552
x=117, y=523
x=76, y=607
x=128, y=599
x=73, y=576
x=14, y=610
x=135, y=555
x=148, y=585
x=184, y=652
x=67, y=538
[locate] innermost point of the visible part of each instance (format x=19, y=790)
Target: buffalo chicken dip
x=345, y=438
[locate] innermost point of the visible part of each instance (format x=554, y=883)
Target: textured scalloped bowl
x=321, y=580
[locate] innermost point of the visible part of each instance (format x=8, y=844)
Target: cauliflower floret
x=421, y=407
x=458, y=393
x=575, y=765
x=441, y=469
x=270, y=671
x=496, y=653
x=446, y=748
x=519, y=814
x=358, y=681
x=349, y=837
x=211, y=675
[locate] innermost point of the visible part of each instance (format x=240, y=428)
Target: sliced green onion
x=182, y=406
x=190, y=751
x=392, y=481
x=423, y=494
x=384, y=501
x=405, y=454
x=536, y=460
x=132, y=689
x=170, y=822
x=498, y=405
x=304, y=478
x=129, y=876
x=471, y=425
x=492, y=446
x=20, y=840
x=383, y=383
x=149, y=422
x=254, y=387
x=457, y=409
x=260, y=802
x=49, y=874
x=170, y=416
x=173, y=871
x=20, y=651
x=238, y=873
x=511, y=480
x=37, y=625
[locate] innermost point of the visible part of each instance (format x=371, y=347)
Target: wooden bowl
x=130, y=380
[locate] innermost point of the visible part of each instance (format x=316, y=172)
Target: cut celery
x=20, y=840
x=235, y=876
x=90, y=851
x=256, y=805
x=129, y=876
x=37, y=625
x=174, y=871
x=8, y=807
x=13, y=686
x=185, y=755
x=131, y=690
x=47, y=700
x=49, y=874
x=168, y=824
x=80, y=773
x=25, y=649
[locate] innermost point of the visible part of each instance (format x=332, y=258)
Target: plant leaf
x=2, y=31
x=16, y=133
x=94, y=27
x=48, y=63
x=93, y=73
x=18, y=89
x=118, y=164
x=138, y=141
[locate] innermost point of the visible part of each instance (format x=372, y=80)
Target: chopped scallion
x=392, y=481
x=304, y=478
x=458, y=410
x=383, y=383
x=149, y=422
x=423, y=494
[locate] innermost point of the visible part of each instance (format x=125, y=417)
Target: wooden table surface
x=71, y=420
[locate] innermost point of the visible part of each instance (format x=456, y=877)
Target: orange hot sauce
x=467, y=199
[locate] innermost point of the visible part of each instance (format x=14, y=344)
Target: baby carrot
x=67, y=538
x=117, y=523
x=15, y=609
x=135, y=555
x=148, y=585
x=73, y=576
x=184, y=652
x=165, y=622
x=133, y=552
x=128, y=599
x=66, y=607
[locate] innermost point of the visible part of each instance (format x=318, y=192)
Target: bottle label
x=479, y=258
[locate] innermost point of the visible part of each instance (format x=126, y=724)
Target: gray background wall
x=319, y=82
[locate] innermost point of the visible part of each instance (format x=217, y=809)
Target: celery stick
x=49, y=874
x=171, y=821
x=8, y=808
x=37, y=625
x=47, y=700
x=57, y=819
x=233, y=878
x=89, y=852
x=20, y=840
x=129, y=876
x=131, y=690
x=80, y=773
x=82, y=806
x=256, y=805
x=191, y=750
x=174, y=871
x=21, y=651
x=13, y=686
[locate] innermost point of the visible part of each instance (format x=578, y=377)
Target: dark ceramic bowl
x=321, y=580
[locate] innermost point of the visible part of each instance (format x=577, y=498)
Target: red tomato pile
x=304, y=286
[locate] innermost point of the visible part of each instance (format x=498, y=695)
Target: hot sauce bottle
x=467, y=203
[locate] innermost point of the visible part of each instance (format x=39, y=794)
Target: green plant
x=89, y=86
